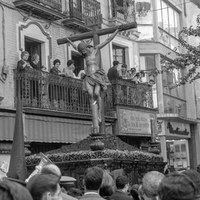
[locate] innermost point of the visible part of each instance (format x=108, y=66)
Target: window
x=119, y=54
x=169, y=24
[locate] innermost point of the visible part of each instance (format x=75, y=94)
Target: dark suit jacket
x=91, y=197
x=119, y=195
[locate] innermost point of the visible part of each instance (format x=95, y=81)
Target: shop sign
x=131, y=122
x=178, y=129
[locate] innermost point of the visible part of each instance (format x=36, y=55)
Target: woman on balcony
x=23, y=63
x=55, y=69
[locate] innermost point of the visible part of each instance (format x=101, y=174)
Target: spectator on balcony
x=55, y=69
x=69, y=71
x=23, y=63
x=35, y=59
x=131, y=73
x=113, y=73
x=81, y=74
x=138, y=77
x=124, y=72
x=24, y=84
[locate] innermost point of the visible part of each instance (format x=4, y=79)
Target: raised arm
x=73, y=44
x=109, y=39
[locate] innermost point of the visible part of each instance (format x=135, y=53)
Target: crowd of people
x=99, y=184
x=68, y=71
x=114, y=73
x=24, y=63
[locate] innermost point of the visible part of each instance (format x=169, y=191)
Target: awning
x=45, y=128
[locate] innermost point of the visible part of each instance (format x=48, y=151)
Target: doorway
x=33, y=47
x=78, y=62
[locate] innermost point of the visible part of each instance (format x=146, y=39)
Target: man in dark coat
x=93, y=178
x=113, y=73
x=122, y=184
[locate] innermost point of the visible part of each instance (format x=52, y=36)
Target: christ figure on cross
x=95, y=79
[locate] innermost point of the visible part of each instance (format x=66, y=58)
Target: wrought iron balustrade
x=126, y=92
x=48, y=91
x=52, y=92
x=54, y=4
x=122, y=11
x=81, y=9
x=47, y=9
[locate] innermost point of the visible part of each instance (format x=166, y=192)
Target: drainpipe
x=4, y=70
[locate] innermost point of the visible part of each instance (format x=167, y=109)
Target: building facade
x=64, y=116
x=56, y=110
x=178, y=125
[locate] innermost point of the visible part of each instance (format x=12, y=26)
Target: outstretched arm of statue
x=72, y=43
x=109, y=39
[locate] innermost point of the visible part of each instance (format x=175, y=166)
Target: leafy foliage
x=189, y=60
x=87, y=155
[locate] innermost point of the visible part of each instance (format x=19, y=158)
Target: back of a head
x=107, y=186
x=195, y=177
x=121, y=181
x=134, y=192
x=13, y=191
x=151, y=182
x=51, y=169
x=93, y=178
x=115, y=62
x=176, y=186
x=41, y=183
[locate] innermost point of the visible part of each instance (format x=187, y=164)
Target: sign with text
x=131, y=122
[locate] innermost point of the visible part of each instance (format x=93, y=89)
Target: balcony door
x=33, y=47
x=78, y=62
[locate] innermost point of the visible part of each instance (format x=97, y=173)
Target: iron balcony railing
x=123, y=11
x=53, y=4
x=47, y=91
x=125, y=92
x=81, y=9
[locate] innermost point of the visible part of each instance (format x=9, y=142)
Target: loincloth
x=99, y=77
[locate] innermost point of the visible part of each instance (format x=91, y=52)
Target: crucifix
x=95, y=80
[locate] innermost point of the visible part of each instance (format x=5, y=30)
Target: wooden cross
x=95, y=33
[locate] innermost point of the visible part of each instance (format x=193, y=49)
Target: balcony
x=127, y=93
x=122, y=12
x=46, y=91
x=78, y=11
x=45, y=9
x=175, y=109
x=174, y=105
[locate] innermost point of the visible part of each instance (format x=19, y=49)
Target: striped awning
x=45, y=128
